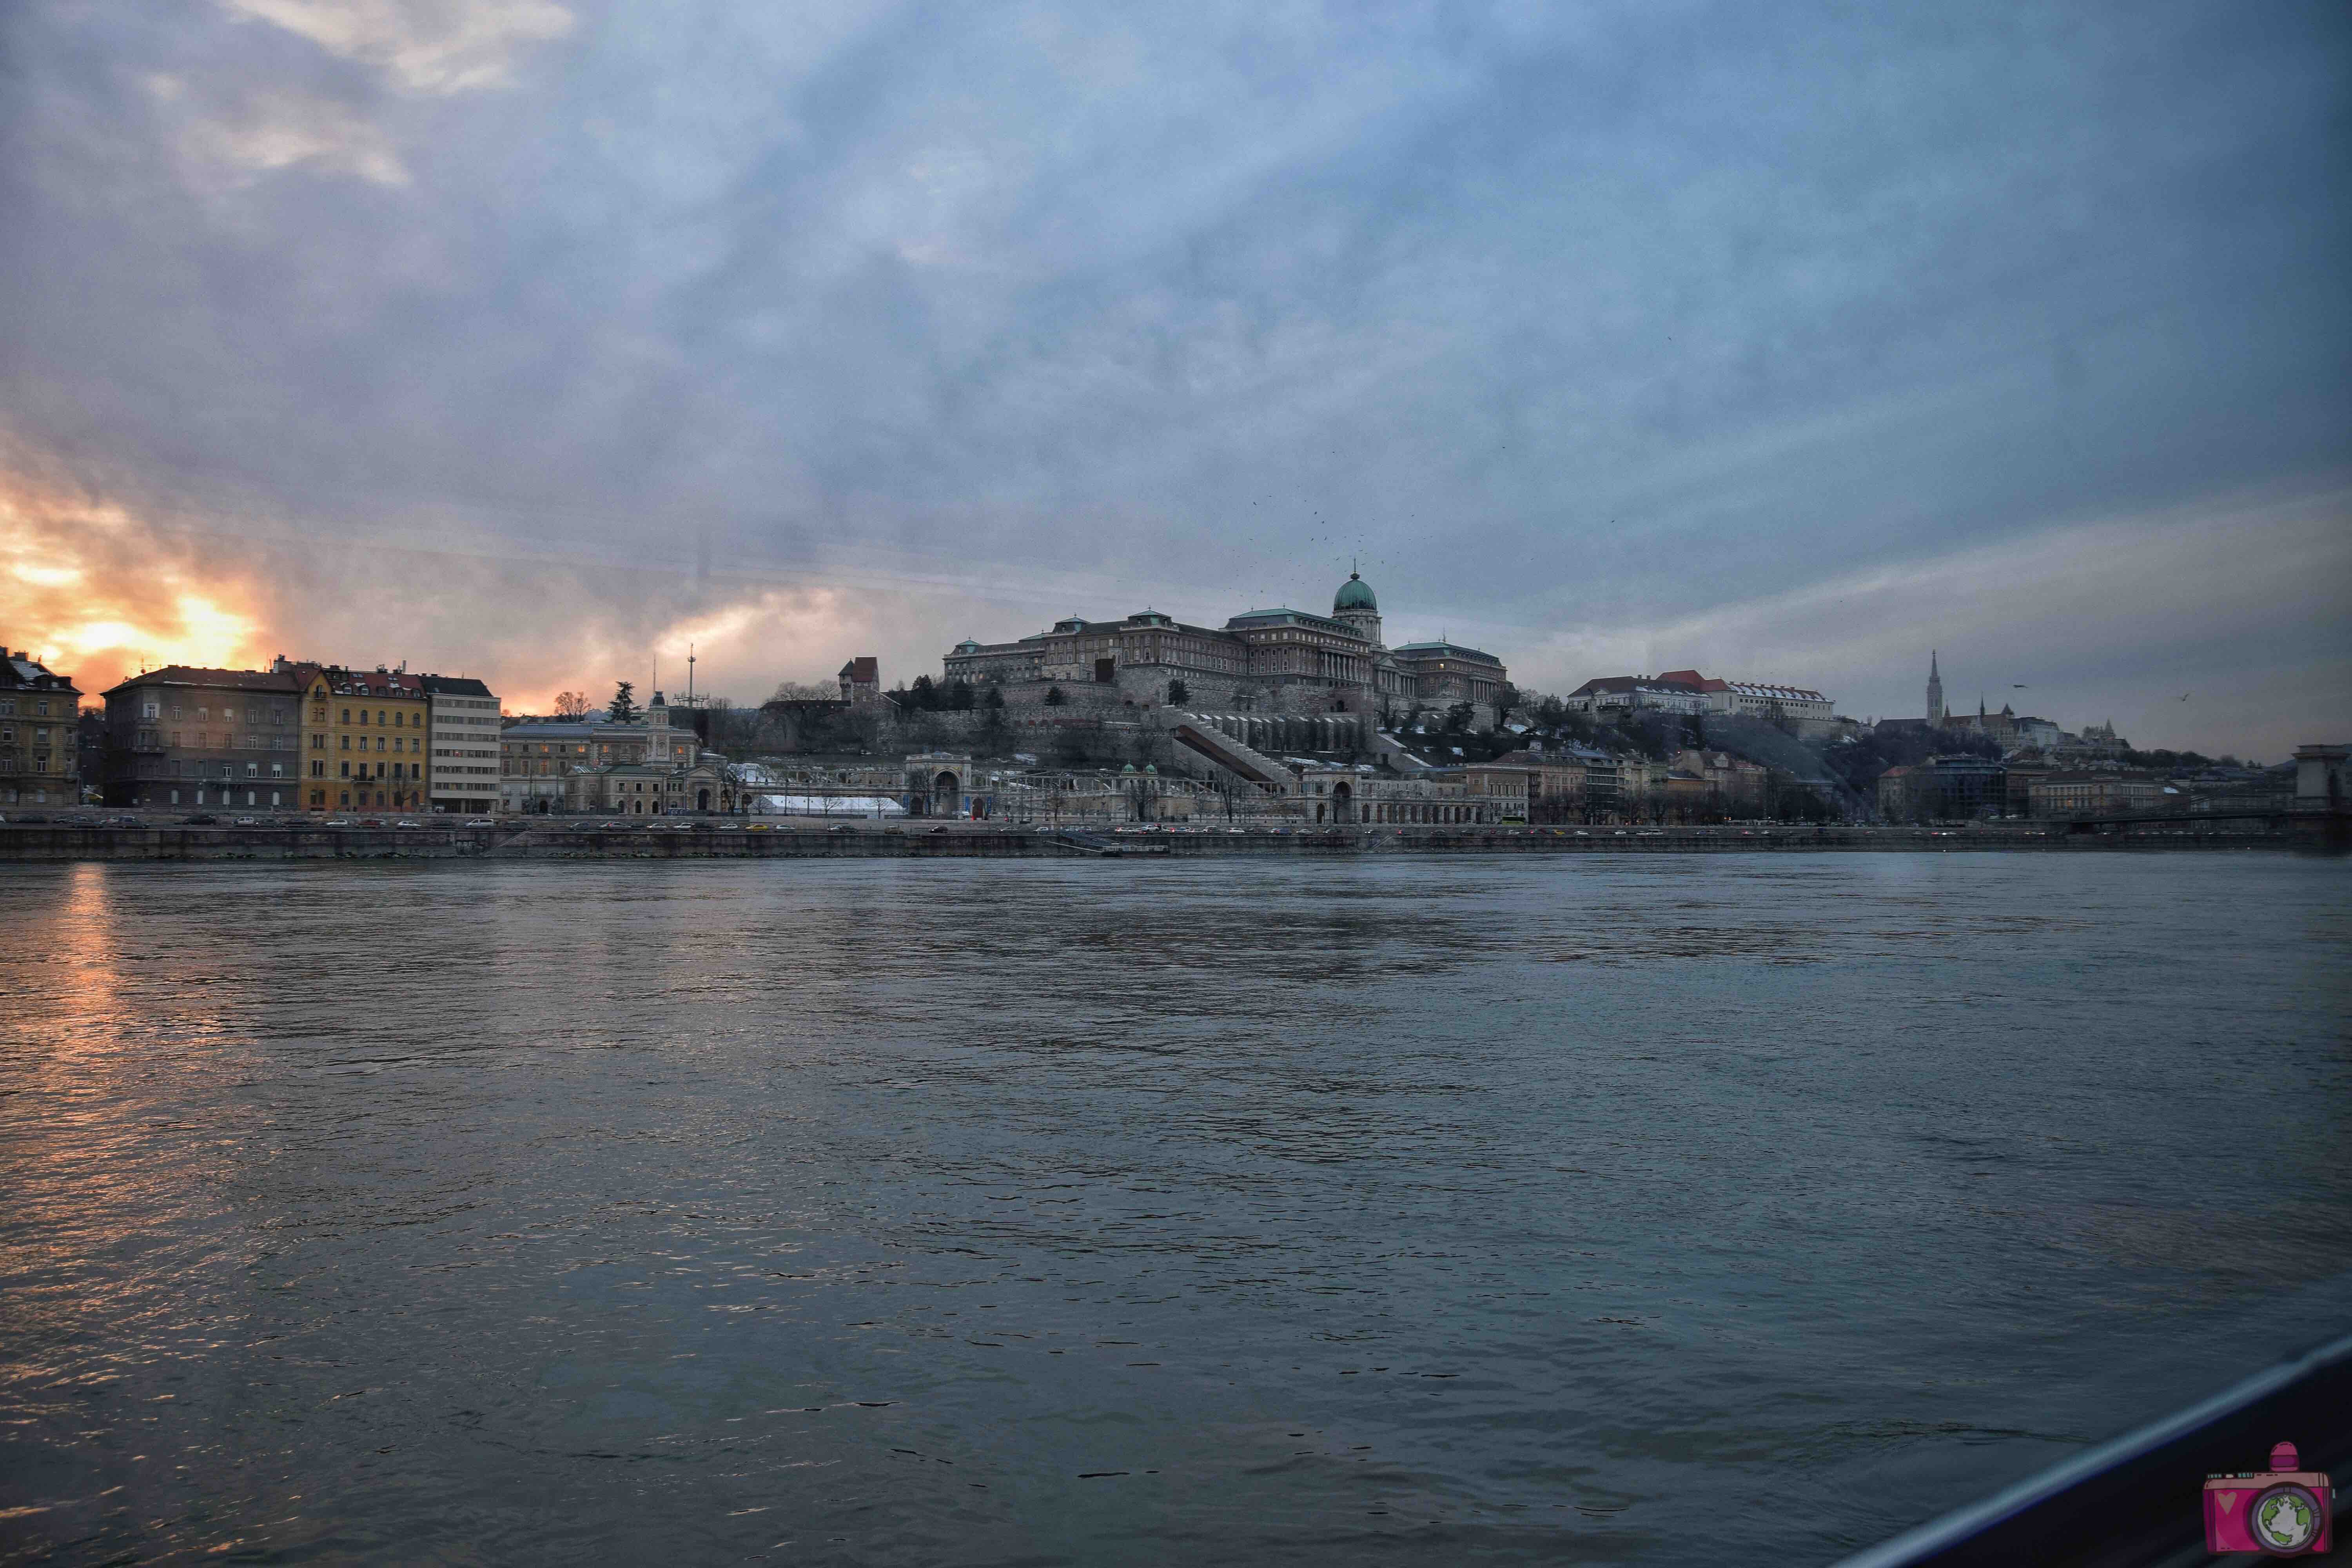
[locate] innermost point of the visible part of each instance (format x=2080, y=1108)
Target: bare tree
x=803, y=691
x=571, y=705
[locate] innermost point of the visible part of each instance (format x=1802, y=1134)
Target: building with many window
x=463, y=771
x=1805, y=712
x=1274, y=661
x=38, y=713
x=553, y=765
x=2095, y=791
x=186, y=735
x=1942, y=789
x=363, y=738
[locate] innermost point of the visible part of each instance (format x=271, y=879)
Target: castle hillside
x=1272, y=661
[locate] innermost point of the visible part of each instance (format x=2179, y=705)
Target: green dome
x=1355, y=594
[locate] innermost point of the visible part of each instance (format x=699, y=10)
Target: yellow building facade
x=365, y=742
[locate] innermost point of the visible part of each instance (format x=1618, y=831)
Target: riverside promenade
x=680, y=839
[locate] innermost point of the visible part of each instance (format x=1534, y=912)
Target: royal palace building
x=1279, y=661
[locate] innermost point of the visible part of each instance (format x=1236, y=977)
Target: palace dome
x=1355, y=594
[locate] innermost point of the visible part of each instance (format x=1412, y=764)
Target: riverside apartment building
x=464, y=777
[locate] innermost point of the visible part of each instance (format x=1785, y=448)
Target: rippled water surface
x=1608, y=1209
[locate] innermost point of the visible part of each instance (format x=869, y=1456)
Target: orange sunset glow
x=96, y=593
x=99, y=590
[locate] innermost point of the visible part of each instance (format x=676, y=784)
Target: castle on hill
x=1272, y=661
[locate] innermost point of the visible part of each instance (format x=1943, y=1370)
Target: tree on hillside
x=803, y=691
x=572, y=705
x=924, y=694
x=958, y=696
x=1178, y=693
x=624, y=708
x=995, y=732
x=1053, y=698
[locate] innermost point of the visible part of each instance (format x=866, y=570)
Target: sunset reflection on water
x=976, y=1211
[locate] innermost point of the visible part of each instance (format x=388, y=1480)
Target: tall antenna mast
x=690, y=675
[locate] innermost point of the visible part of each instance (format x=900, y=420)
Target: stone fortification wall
x=1113, y=715
x=1282, y=735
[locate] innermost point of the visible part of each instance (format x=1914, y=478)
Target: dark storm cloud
x=1578, y=324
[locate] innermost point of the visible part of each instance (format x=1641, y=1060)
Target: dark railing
x=2138, y=1502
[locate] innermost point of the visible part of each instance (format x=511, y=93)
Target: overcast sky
x=537, y=338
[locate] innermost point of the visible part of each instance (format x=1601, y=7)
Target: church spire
x=1935, y=693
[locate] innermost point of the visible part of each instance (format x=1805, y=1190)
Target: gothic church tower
x=1935, y=693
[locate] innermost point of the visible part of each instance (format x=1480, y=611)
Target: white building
x=463, y=777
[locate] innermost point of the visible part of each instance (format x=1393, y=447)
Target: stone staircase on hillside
x=1199, y=735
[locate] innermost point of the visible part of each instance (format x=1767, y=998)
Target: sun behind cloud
x=96, y=593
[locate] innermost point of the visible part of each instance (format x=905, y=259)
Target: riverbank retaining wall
x=541, y=839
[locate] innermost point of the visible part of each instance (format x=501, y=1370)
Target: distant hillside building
x=1808, y=713
x=861, y=680
x=1278, y=660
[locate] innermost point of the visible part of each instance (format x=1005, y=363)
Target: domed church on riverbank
x=1276, y=661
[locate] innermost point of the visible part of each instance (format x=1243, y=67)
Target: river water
x=1610, y=1209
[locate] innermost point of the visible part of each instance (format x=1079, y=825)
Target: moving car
x=248, y=822
x=201, y=819
x=336, y=822
x=407, y=824
x=479, y=822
